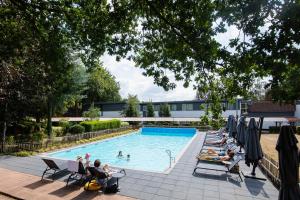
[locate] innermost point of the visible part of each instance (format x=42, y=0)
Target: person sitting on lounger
x=101, y=181
x=218, y=142
x=216, y=158
x=109, y=170
x=212, y=152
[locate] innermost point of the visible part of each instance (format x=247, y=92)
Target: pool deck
x=178, y=184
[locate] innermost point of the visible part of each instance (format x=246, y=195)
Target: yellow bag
x=92, y=186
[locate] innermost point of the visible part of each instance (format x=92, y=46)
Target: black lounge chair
x=52, y=166
x=78, y=175
x=225, y=167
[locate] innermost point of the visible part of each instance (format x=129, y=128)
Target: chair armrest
x=226, y=162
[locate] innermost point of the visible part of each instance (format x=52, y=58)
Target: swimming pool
x=146, y=147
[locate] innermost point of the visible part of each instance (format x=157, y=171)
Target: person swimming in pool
x=120, y=155
x=128, y=157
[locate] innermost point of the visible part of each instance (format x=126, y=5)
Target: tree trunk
x=49, y=118
x=4, y=130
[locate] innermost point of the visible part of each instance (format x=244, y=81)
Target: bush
x=77, y=129
x=38, y=136
x=10, y=140
x=100, y=125
x=124, y=124
x=274, y=129
x=23, y=153
x=298, y=130
x=65, y=124
x=57, y=131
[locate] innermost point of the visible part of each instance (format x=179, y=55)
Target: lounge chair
x=227, y=167
x=77, y=170
x=52, y=166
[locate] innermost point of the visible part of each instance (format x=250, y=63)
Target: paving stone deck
x=178, y=184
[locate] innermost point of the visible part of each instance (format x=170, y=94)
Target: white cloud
x=133, y=82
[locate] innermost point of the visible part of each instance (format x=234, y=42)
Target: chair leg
x=240, y=177
x=69, y=178
x=44, y=172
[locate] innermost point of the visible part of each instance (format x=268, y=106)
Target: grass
x=268, y=144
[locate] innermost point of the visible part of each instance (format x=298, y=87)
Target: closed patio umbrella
x=253, y=150
x=232, y=127
x=288, y=164
x=228, y=122
x=241, y=132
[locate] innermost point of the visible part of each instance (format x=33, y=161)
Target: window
x=156, y=107
x=244, y=108
x=173, y=107
x=187, y=106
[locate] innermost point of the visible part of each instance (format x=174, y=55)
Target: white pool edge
x=180, y=154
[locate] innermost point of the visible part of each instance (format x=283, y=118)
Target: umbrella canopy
x=241, y=131
x=288, y=164
x=253, y=151
x=232, y=127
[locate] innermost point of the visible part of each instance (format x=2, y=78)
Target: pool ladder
x=170, y=157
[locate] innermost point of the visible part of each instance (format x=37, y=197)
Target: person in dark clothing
x=101, y=180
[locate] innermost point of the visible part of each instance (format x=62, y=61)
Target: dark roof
x=269, y=106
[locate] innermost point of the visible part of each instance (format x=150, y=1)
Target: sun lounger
x=227, y=167
x=52, y=168
x=77, y=170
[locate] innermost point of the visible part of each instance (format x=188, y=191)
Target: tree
x=180, y=37
x=102, y=86
x=132, y=106
x=150, y=110
x=92, y=113
x=164, y=110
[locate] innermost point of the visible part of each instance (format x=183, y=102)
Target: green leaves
x=101, y=86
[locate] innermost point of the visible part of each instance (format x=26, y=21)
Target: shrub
x=57, y=131
x=23, y=153
x=100, y=125
x=65, y=124
x=10, y=140
x=298, y=130
x=77, y=129
x=38, y=136
x=124, y=124
x=274, y=129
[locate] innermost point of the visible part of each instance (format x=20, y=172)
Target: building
x=196, y=108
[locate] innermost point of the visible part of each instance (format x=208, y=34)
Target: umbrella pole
x=253, y=174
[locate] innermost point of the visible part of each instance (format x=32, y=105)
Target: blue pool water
x=147, y=148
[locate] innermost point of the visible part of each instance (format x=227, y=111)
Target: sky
x=133, y=82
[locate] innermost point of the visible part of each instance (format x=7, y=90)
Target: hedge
x=76, y=129
x=96, y=125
